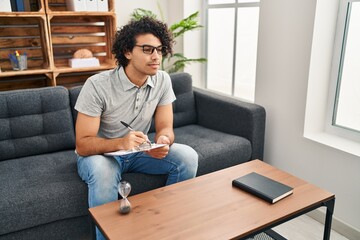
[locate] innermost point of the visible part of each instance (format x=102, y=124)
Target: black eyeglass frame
x=161, y=50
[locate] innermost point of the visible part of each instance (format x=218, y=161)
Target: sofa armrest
x=233, y=116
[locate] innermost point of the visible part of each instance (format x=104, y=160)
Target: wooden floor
x=305, y=228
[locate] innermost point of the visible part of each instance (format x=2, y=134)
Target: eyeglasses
x=148, y=49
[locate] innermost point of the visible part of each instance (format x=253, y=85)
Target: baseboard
x=337, y=225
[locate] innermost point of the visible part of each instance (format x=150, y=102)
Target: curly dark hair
x=125, y=37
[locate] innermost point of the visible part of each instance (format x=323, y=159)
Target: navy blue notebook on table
x=263, y=187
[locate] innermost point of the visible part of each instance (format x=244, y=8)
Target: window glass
x=248, y=1
x=220, y=49
x=347, y=110
x=246, y=49
x=231, y=1
x=220, y=1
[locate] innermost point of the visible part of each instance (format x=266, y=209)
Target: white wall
x=284, y=54
x=194, y=43
x=123, y=9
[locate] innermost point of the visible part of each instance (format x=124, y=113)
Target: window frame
x=336, y=72
x=237, y=4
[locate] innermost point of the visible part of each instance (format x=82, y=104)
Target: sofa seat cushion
x=40, y=189
x=212, y=145
x=217, y=150
x=184, y=106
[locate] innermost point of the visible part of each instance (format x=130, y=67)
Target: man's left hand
x=163, y=151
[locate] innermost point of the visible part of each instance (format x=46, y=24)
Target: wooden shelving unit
x=50, y=36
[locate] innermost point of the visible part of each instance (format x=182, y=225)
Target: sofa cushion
x=40, y=189
x=216, y=150
x=74, y=94
x=212, y=145
x=184, y=105
x=79, y=228
x=35, y=121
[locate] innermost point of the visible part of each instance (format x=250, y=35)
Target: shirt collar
x=127, y=84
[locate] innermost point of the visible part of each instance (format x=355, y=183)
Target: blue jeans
x=102, y=173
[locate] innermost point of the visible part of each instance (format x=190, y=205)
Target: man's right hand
x=134, y=139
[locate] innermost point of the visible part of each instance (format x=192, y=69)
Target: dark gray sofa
x=41, y=194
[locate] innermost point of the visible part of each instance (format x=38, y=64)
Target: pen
x=131, y=129
x=14, y=60
x=127, y=125
x=12, y=57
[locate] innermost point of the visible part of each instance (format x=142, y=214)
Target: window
x=232, y=32
x=323, y=78
x=344, y=111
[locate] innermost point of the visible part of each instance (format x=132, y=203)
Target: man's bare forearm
x=169, y=133
x=87, y=146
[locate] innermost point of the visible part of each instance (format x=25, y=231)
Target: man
x=133, y=93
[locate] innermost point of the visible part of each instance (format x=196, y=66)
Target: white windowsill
x=336, y=142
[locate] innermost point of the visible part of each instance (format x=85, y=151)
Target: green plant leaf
x=139, y=13
x=181, y=62
x=186, y=24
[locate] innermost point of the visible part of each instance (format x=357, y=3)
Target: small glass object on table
x=124, y=189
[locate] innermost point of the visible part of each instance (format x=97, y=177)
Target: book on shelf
x=20, y=5
x=6, y=6
x=76, y=5
x=34, y=5
x=102, y=5
x=13, y=5
x=27, y=6
x=91, y=5
x=87, y=5
x=31, y=5
x=263, y=187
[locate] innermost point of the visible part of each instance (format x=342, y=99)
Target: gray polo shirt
x=112, y=96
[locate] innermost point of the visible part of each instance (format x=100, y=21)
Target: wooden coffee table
x=209, y=207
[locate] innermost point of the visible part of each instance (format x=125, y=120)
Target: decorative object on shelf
x=83, y=58
x=87, y=5
x=18, y=62
x=83, y=53
x=177, y=61
x=47, y=31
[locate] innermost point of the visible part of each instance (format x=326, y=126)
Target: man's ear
x=127, y=55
